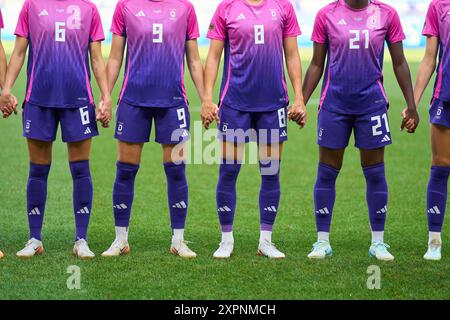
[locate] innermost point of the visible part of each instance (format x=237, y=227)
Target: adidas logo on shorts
x=434, y=210
x=386, y=139
x=87, y=131
x=180, y=205
x=283, y=134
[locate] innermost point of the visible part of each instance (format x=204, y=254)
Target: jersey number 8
x=259, y=34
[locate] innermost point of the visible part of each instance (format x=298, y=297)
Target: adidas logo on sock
x=434, y=210
x=382, y=210
x=180, y=205
x=323, y=211
x=43, y=13
x=140, y=14
x=342, y=22
x=34, y=212
x=270, y=209
x=87, y=131
x=224, y=209
x=85, y=210
x=121, y=206
x=386, y=139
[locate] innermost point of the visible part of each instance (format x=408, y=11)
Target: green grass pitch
x=150, y=272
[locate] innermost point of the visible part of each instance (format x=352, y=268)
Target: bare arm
x=209, y=109
x=15, y=65
x=426, y=68
x=2, y=64
x=99, y=69
x=297, y=112
x=315, y=70
x=195, y=67
x=115, y=60
x=403, y=75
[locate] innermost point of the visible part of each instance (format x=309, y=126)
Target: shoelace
x=320, y=244
x=381, y=246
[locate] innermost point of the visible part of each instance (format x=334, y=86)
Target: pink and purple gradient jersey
x=253, y=78
x=437, y=24
x=59, y=33
x=156, y=33
x=353, y=80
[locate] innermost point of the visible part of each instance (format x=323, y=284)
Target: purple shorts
x=440, y=113
x=134, y=124
x=41, y=123
x=371, y=130
x=242, y=127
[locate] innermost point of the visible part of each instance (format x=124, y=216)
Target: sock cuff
x=127, y=166
x=230, y=167
x=439, y=170
x=376, y=169
x=80, y=169
x=328, y=169
x=39, y=170
x=169, y=165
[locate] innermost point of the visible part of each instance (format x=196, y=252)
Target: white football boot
x=180, y=248
x=32, y=247
x=1, y=255
x=379, y=250
x=118, y=247
x=225, y=250
x=321, y=249
x=81, y=250
x=434, y=251
x=268, y=249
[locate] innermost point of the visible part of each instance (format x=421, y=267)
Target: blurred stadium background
x=412, y=13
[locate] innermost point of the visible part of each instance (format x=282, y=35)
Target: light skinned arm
x=3, y=64
x=402, y=73
x=115, y=60
x=195, y=67
x=99, y=69
x=297, y=112
x=15, y=65
x=426, y=68
x=315, y=70
x=210, y=110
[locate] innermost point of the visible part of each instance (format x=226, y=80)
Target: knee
x=375, y=175
x=176, y=172
x=327, y=174
x=125, y=171
x=39, y=171
x=229, y=172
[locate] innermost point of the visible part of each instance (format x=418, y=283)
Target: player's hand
x=209, y=113
x=8, y=104
x=297, y=113
x=104, y=112
x=410, y=120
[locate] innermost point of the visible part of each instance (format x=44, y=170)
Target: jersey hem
x=265, y=109
x=150, y=105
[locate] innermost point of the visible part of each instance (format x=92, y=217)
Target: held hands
x=104, y=112
x=209, y=113
x=410, y=120
x=8, y=104
x=297, y=113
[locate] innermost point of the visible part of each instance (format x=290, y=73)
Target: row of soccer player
x=256, y=35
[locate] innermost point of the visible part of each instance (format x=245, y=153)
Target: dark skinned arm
x=315, y=70
x=403, y=75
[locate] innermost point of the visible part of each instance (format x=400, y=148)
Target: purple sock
x=82, y=196
x=226, y=194
x=123, y=193
x=269, y=194
x=36, y=198
x=437, y=197
x=376, y=195
x=177, y=193
x=325, y=196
